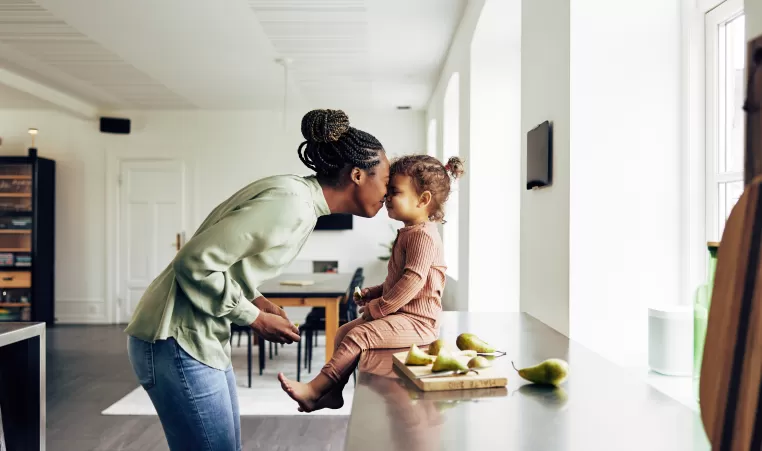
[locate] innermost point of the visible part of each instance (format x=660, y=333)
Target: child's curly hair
x=429, y=174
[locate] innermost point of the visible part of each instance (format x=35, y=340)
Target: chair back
x=357, y=280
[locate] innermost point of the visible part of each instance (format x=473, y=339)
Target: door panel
x=152, y=212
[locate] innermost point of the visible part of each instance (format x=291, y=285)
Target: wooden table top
x=326, y=285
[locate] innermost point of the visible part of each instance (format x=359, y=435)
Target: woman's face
x=371, y=189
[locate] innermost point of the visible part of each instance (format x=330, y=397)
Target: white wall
x=753, y=9
x=495, y=163
x=545, y=94
x=625, y=172
x=603, y=243
x=224, y=150
x=459, y=61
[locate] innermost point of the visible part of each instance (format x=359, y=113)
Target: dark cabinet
x=27, y=238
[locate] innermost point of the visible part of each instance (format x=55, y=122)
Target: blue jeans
x=197, y=404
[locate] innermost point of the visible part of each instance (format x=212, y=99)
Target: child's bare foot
x=331, y=400
x=303, y=394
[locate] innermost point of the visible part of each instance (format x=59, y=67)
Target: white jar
x=670, y=340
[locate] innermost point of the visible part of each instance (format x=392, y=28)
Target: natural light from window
x=726, y=64
x=451, y=137
x=431, y=138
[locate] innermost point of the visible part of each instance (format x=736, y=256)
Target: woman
x=179, y=336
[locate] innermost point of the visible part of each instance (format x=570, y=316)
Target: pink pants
x=394, y=331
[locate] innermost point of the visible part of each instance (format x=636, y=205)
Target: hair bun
x=455, y=167
x=324, y=126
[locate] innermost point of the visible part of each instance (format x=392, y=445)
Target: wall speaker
x=115, y=125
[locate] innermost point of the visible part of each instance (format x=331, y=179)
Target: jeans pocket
x=141, y=358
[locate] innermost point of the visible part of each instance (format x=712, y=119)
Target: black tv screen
x=334, y=222
x=540, y=156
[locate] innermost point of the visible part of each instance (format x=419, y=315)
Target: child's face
x=403, y=202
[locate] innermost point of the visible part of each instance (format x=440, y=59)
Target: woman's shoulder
x=283, y=184
x=287, y=191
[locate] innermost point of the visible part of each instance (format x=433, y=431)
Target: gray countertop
x=601, y=406
x=15, y=332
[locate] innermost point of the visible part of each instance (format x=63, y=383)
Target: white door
x=151, y=224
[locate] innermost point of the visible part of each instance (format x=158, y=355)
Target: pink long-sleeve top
x=415, y=278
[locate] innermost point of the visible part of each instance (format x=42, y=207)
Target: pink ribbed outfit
x=405, y=309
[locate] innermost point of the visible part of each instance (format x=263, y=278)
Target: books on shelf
x=27, y=238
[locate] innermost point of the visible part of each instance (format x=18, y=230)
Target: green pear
x=550, y=372
x=357, y=294
x=472, y=342
x=448, y=362
x=416, y=357
x=479, y=362
x=437, y=346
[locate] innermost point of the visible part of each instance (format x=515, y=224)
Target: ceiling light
x=33, y=132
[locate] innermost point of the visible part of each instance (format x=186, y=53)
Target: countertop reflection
x=600, y=407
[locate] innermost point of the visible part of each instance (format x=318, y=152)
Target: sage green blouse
x=246, y=240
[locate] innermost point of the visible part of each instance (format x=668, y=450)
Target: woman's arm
x=201, y=265
x=419, y=256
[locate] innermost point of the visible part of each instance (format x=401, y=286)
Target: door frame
x=114, y=166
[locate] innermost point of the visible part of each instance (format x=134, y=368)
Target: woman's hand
x=275, y=328
x=266, y=306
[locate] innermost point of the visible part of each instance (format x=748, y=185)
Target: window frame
x=451, y=119
x=714, y=21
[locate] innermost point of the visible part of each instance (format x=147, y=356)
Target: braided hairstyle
x=332, y=147
x=429, y=174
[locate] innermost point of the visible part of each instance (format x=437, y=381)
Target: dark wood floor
x=88, y=371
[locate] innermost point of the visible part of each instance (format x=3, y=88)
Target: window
x=431, y=138
x=725, y=70
x=451, y=141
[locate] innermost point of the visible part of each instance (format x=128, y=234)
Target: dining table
x=325, y=290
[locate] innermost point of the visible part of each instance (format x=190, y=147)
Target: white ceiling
x=13, y=99
x=220, y=54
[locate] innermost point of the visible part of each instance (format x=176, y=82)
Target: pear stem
x=514, y=366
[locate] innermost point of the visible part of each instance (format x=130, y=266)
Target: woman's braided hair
x=429, y=174
x=333, y=147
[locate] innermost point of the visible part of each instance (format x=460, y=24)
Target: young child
x=405, y=309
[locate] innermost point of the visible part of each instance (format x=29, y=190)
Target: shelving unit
x=27, y=238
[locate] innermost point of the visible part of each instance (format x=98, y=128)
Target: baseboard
x=81, y=311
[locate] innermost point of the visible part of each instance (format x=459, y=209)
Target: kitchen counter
x=22, y=385
x=600, y=407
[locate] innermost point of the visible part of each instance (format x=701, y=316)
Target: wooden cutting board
x=487, y=377
x=731, y=373
x=730, y=387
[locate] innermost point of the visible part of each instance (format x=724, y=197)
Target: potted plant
x=388, y=246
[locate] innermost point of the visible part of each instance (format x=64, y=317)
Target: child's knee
x=360, y=337
x=344, y=329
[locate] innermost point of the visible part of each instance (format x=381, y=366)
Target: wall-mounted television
x=540, y=156
x=334, y=222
